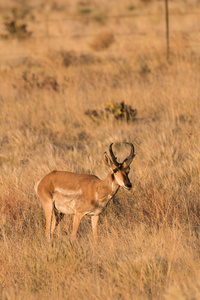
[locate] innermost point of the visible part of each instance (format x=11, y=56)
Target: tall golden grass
x=149, y=239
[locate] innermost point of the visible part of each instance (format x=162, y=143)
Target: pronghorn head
x=120, y=171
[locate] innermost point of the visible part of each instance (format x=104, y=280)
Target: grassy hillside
x=62, y=79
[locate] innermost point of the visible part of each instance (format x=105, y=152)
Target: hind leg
x=56, y=221
x=50, y=217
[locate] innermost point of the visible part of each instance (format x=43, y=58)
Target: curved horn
x=129, y=158
x=114, y=159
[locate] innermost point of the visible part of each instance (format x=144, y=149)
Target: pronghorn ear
x=107, y=160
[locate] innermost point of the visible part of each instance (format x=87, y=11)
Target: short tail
x=36, y=186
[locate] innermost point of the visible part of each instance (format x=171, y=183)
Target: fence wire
x=48, y=21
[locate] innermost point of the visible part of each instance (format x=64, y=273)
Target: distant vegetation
x=119, y=111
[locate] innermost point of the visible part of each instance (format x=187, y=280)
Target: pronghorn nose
x=129, y=185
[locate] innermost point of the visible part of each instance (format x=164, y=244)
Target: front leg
x=94, y=220
x=77, y=219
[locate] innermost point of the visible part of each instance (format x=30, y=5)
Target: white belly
x=64, y=203
x=95, y=212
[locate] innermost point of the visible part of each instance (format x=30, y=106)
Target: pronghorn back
x=81, y=194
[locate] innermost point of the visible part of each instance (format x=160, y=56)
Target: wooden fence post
x=167, y=28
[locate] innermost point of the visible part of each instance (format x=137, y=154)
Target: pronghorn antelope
x=79, y=194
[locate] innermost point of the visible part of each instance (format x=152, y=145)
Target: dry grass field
x=86, y=60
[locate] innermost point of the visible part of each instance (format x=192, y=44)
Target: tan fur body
x=79, y=192
x=63, y=192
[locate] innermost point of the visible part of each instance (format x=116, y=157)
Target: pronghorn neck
x=108, y=188
x=112, y=182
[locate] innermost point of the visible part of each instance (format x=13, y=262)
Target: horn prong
x=130, y=157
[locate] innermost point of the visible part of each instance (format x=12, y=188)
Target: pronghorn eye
x=115, y=170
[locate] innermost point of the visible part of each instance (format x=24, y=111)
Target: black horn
x=129, y=158
x=114, y=159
